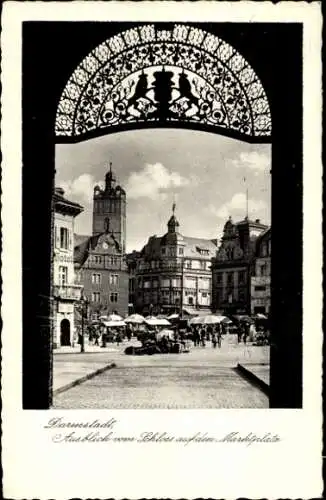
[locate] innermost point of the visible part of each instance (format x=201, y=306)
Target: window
x=147, y=284
x=96, y=278
x=204, y=283
x=163, y=251
x=113, y=279
x=97, y=259
x=131, y=284
x=202, y=264
x=263, y=270
x=176, y=282
x=229, y=278
x=64, y=238
x=180, y=251
x=113, y=297
x=188, y=264
x=96, y=297
x=241, y=276
x=191, y=301
x=260, y=288
x=63, y=275
x=114, y=261
x=219, y=277
x=78, y=277
x=229, y=253
x=204, y=295
x=155, y=283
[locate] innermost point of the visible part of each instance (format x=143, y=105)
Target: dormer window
x=202, y=251
x=180, y=251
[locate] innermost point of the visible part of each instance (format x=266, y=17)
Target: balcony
x=67, y=292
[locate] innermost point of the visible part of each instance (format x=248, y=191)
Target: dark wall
x=51, y=51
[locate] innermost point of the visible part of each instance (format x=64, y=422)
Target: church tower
x=109, y=209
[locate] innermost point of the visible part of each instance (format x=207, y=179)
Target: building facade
x=65, y=292
x=260, y=284
x=173, y=273
x=100, y=260
x=231, y=267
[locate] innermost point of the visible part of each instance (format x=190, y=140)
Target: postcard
x=162, y=269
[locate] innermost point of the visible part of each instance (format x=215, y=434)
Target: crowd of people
x=199, y=335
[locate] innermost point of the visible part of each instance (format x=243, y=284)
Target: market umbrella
x=135, y=319
x=114, y=317
x=153, y=321
x=244, y=318
x=260, y=316
x=112, y=323
x=195, y=321
x=210, y=319
x=166, y=333
x=226, y=320
x=174, y=316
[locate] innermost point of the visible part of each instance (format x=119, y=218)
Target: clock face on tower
x=105, y=245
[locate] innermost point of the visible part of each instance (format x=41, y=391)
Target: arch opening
x=65, y=332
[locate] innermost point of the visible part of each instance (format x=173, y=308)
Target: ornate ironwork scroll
x=147, y=75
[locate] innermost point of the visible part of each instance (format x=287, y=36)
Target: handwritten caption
x=104, y=431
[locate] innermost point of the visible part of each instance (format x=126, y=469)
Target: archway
x=65, y=332
x=275, y=52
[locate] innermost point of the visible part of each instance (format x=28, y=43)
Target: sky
x=206, y=174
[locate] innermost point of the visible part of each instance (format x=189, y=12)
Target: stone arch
x=146, y=77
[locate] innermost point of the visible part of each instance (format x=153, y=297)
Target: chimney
x=257, y=221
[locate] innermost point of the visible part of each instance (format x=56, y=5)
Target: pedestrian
x=209, y=332
x=219, y=336
x=96, y=337
x=118, y=338
x=128, y=332
x=246, y=333
x=203, y=337
x=195, y=335
x=214, y=340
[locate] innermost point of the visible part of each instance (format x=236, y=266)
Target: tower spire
x=109, y=178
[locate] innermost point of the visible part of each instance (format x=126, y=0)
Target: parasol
x=114, y=317
x=153, y=321
x=135, y=319
x=112, y=323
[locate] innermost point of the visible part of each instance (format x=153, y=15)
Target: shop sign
x=65, y=308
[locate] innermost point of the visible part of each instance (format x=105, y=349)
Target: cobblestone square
x=202, y=378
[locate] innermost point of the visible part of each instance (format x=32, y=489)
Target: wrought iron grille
x=148, y=75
